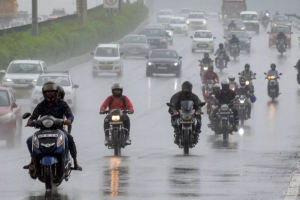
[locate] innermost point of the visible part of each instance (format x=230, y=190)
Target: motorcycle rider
x=281, y=36
x=222, y=50
x=297, y=67
x=207, y=59
x=185, y=95
x=210, y=75
x=245, y=90
x=248, y=74
x=232, y=81
x=274, y=72
x=232, y=25
x=226, y=96
x=234, y=40
x=117, y=101
x=51, y=105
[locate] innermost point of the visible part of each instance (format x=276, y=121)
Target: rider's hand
x=68, y=122
x=29, y=123
x=175, y=112
x=102, y=111
x=198, y=112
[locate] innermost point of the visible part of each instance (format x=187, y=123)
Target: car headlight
x=149, y=63
x=186, y=117
x=175, y=64
x=247, y=82
x=243, y=28
x=247, y=42
x=60, y=140
x=115, y=118
x=35, y=141
x=47, y=123
x=187, y=22
x=6, y=118
x=117, y=62
x=204, y=22
x=7, y=80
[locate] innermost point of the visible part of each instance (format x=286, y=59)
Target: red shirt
x=117, y=104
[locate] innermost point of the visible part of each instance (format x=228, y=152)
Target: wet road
x=256, y=165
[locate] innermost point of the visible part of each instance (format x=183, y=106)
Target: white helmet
x=231, y=78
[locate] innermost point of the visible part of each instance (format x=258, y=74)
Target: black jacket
x=281, y=36
x=243, y=90
x=234, y=40
x=206, y=61
x=179, y=96
x=225, y=98
x=232, y=25
x=298, y=65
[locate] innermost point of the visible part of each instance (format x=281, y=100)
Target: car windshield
x=236, y=21
x=178, y=21
x=17, y=23
x=237, y=34
x=185, y=11
x=107, y=52
x=24, y=68
x=280, y=18
x=280, y=29
x=249, y=17
x=135, y=39
x=4, y=98
x=164, y=54
x=203, y=35
x=154, y=32
x=167, y=26
x=58, y=12
x=213, y=15
x=196, y=16
x=60, y=80
x=165, y=12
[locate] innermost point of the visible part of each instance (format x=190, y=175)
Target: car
x=280, y=28
x=239, y=23
x=179, y=25
x=60, y=78
x=170, y=33
x=203, y=40
x=107, y=59
x=164, y=16
x=184, y=12
x=21, y=73
x=214, y=16
x=58, y=12
x=251, y=20
x=197, y=20
x=157, y=36
x=40, y=19
x=162, y=61
x=134, y=45
x=23, y=15
x=281, y=20
x=15, y=23
x=245, y=40
x=10, y=118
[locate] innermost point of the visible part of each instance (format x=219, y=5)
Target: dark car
x=281, y=20
x=163, y=61
x=10, y=118
x=157, y=36
x=135, y=45
x=238, y=22
x=245, y=40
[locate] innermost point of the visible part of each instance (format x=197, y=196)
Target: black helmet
x=206, y=55
x=242, y=81
x=247, y=67
x=231, y=78
x=216, y=88
x=225, y=85
x=233, y=36
x=187, y=85
x=50, y=86
x=273, y=66
x=117, y=86
x=61, y=92
x=221, y=46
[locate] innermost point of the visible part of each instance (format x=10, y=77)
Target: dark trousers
x=125, y=119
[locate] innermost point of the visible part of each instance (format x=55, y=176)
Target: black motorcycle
x=273, y=86
x=249, y=80
x=186, y=123
x=298, y=75
x=234, y=50
x=241, y=104
x=281, y=46
x=204, y=68
x=117, y=133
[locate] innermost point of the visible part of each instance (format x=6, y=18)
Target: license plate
x=272, y=81
x=21, y=91
x=162, y=67
x=224, y=113
x=106, y=66
x=272, y=90
x=115, y=123
x=202, y=45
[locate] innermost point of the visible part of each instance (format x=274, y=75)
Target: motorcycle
x=234, y=51
x=241, y=105
x=281, y=46
x=187, y=123
x=51, y=156
x=265, y=23
x=249, y=80
x=220, y=62
x=117, y=133
x=208, y=88
x=298, y=75
x=204, y=68
x=232, y=86
x=273, y=86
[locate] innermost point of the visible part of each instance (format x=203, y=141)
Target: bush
x=62, y=41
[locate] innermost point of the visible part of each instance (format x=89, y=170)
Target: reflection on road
x=53, y=195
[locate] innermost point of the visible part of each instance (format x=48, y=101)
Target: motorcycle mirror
x=191, y=37
x=268, y=32
x=250, y=38
x=280, y=74
x=254, y=74
x=170, y=105
x=239, y=73
x=26, y=115
x=202, y=104
x=265, y=73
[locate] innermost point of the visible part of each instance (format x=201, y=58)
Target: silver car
x=135, y=45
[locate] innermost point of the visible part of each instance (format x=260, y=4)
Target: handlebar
x=123, y=111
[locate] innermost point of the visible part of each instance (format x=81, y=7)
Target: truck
x=8, y=9
x=233, y=8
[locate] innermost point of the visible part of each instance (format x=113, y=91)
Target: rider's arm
x=129, y=104
x=67, y=112
x=36, y=113
x=217, y=78
x=105, y=104
x=174, y=100
x=217, y=52
x=197, y=103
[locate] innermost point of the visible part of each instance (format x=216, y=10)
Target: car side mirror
x=179, y=57
x=26, y=115
x=239, y=73
x=191, y=37
x=14, y=105
x=265, y=73
x=250, y=38
x=75, y=86
x=30, y=86
x=121, y=53
x=291, y=32
x=268, y=33
x=147, y=57
x=2, y=71
x=92, y=53
x=280, y=74
x=254, y=74
x=214, y=38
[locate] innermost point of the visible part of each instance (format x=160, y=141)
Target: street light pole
x=35, y=25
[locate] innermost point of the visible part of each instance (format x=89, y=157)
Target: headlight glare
x=60, y=140
x=7, y=80
x=35, y=141
x=115, y=118
x=149, y=63
x=175, y=64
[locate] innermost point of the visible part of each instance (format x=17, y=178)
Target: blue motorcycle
x=51, y=156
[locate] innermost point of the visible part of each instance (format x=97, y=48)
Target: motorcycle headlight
x=205, y=68
x=186, y=117
x=224, y=107
x=149, y=63
x=60, y=140
x=247, y=82
x=47, y=123
x=242, y=101
x=243, y=28
x=175, y=64
x=232, y=89
x=35, y=141
x=115, y=118
x=204, y=22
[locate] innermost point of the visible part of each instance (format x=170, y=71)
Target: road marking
x=293, y=190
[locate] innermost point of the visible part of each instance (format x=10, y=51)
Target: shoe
x=176, y=139
x=106, y=142
x=249, y=116
x=30, y=166
x=235, y=129
x=76, y=166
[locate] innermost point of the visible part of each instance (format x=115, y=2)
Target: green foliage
x=62, y=41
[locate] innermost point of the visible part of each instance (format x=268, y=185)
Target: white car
x=164, y=16
x=203, y=40
x=179, y=25
x=197, y=20
x=15, y=23
x=251, y=20
x=60, y=78
x=107, y=59
x=21, y=73
x=40, y=19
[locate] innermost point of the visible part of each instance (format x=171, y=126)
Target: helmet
x=50, y=86
x=273, y=66
x=60, y=92
x=216, y=88
x=187, y=85
x=233, y=36
x=242, y=81
x=225, y=85
x=206, y=55
x=221, y=46
x=117, y=86
x=211, y=68
x=231, y=78
x=247, y=67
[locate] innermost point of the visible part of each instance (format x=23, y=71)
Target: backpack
x=111, y=101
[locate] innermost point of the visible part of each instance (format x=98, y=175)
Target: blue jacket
x=273, y=73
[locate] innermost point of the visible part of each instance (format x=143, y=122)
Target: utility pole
x=34, y=24
x=120, y=5
x=81, y=10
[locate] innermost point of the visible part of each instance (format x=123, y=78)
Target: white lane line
x=293, y=190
